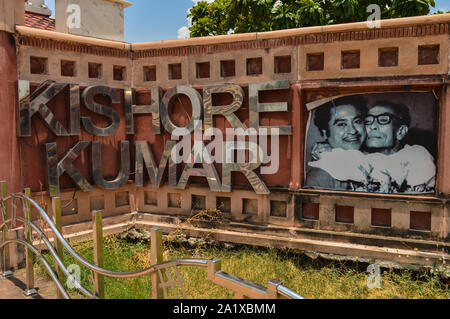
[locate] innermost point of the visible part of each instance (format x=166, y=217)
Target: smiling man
x=341, y=123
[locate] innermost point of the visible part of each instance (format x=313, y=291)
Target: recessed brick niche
x=345, y=214
x=95, y=70
x=278, y=208
x=249, y=206
x=282, y=64
x=149, y=73
x=429, y=54
x=198, y=202
x=151, y=198
x=227, y=68
x=381, y=217
x=315, y=61
x=202, y=70
x=69, y=207
x=310, y=211
x=420, y=220
x=97, y=203
x=68, y=68
x=175, y=71
x=351, y=59
x=254, y=66
x=119, y=73
x=38, y=65
x=122, y=199
x=223, y=204
x=388, y=57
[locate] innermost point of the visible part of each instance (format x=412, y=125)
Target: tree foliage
x=240, y=16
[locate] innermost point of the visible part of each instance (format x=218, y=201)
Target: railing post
x=156, y=258
x=4, y=257
x=272, y=289
x=56, y=205
x=30, y=290
x=97, y=227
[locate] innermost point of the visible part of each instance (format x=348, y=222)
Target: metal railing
x=160, y=271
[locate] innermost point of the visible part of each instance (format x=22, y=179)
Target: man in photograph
x=380, y=163
x=340, y=122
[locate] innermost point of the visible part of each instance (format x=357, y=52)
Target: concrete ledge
x=58, y=36
x=353, y=27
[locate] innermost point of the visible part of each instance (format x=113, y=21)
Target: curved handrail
x=42, y=259
x=282, y=290
x=58, y=260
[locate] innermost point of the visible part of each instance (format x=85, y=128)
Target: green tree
x=240, y=16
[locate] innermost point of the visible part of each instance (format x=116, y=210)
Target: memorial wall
x=332, y=140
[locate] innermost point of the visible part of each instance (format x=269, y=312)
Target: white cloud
x=183, y=33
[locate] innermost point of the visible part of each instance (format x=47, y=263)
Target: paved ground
x=13, y=287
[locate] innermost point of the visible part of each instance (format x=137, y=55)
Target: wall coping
x=357, y=26
x=64, y=37
x=223, y=39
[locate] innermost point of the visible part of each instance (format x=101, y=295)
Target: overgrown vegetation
x=315, y=279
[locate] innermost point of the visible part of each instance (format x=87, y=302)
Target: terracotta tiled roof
x=39, y=21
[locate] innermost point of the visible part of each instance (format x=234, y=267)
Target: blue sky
x=153, y=20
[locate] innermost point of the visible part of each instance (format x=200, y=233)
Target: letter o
x=196, y=101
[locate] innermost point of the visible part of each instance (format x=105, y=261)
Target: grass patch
x=314, y=279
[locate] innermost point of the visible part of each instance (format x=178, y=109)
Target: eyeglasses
x=382, y=119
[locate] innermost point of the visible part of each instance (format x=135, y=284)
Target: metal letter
x=124, y=174
x=144, y=156
x=56, y=169
x=226, y=110
x=28, y=107
x=208, y=171
x=131, y=109
x=75, y=116
x=196, y=101
x=88, y=99
x=256, y=107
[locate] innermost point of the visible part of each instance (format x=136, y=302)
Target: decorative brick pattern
x=401, y=32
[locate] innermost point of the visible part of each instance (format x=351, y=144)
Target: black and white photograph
x=377, y=143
